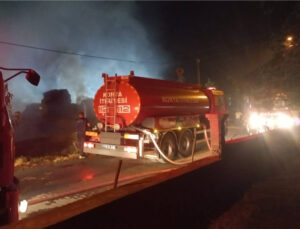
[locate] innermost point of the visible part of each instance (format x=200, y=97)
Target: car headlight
x=284, y=121
x=256, y=121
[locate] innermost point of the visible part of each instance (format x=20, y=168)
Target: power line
x=78, y=54
x=205, y=59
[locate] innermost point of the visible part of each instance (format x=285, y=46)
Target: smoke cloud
x=108, y=29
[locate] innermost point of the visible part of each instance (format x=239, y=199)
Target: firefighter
x=81, y=126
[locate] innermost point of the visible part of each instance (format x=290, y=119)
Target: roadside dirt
x=273, y=202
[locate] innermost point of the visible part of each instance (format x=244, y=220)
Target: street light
x=32, y=76
x=289, y=41
x=289, y=38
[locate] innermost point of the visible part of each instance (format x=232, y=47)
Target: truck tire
x=185, y=143
x=168, y=145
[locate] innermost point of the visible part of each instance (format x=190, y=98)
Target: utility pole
x=180, y=73
x=198, y=70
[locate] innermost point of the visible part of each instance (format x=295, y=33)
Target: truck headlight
x=23, y=206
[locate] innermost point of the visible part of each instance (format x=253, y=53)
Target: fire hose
x=152, y=137
x=206, y=138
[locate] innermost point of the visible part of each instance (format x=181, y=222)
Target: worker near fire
x=81, y=126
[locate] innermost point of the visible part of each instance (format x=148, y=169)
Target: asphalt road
x=50, y=186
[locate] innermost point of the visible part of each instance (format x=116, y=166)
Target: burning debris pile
x=48, y=128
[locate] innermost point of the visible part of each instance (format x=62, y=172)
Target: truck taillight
x=131, y=136
x=211, y=88
x=130, y=149
x=89, y=145
x=117, y=126
x=100, y=125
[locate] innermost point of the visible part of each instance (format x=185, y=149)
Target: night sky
x=232, y=39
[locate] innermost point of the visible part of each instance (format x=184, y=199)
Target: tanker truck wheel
x=168, y=145
x=185, y=144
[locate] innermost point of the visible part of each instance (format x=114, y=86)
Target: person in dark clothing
x=81, y=126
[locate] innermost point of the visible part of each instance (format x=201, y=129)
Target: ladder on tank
x=110, y=111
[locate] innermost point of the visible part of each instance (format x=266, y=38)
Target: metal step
x=200, y=141
x=110, y=79
x=201, y=131
x=110, y=125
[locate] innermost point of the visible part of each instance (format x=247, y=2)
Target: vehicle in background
x=278, y=114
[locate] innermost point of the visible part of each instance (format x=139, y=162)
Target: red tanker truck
x=143, y=117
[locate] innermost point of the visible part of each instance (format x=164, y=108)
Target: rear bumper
x=118, y=151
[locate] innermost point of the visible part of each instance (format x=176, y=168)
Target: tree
x=281, y=74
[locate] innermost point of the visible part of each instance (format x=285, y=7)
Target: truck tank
x=134, y=99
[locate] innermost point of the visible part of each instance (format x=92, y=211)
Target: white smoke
x=106, y=29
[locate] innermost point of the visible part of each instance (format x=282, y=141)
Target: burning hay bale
x=47, y=128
